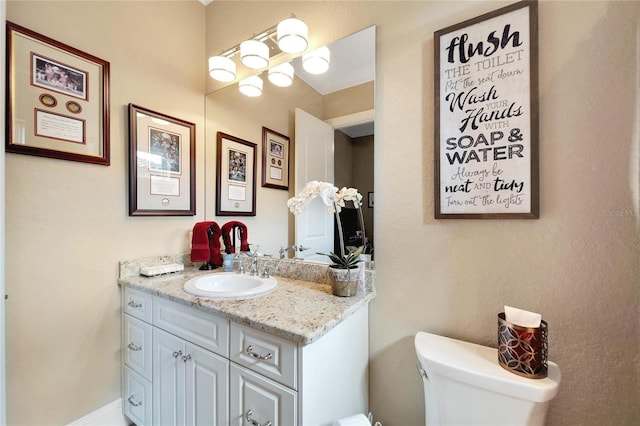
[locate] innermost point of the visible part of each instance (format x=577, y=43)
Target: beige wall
x=348, y=101
x=578, y=264
x=67, y=223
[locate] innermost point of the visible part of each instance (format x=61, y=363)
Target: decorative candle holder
x=522, y=350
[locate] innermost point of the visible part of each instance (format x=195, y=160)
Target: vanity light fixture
x=291, y=35
x=222, y=68
x=251, y=86
x=281, y=75
x=254, y=54
x=317, y=62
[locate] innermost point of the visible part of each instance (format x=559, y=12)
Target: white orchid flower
x=331, y=197
x=349, y=194
x=328, y=196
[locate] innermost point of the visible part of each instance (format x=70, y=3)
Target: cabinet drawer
x=136, y=346
x=253, y=397
x=137, y=398
x=209, y=331
x=269, y=355
x=137, y=303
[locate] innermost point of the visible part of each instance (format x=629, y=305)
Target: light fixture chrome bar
x=269, y=33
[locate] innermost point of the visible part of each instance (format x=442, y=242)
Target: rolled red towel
x=200, y=250
x=227, y=231
x=215, y=257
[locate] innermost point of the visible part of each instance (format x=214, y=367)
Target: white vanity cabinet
x=183, y=366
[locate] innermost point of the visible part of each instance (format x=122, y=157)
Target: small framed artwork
x=486, y=116
x=161, y=164
x=370, y=200
x=236, y=176
x=57, y=99
x=275, y=159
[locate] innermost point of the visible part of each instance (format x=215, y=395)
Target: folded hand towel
x=228, y=229
x=200, y=251
x=215, y=257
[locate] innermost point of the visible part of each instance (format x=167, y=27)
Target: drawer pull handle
x=258, y=356
x=133, y=347
x=133, y=304
x=134, y=402
x=253, y=422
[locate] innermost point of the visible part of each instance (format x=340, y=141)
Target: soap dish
x=152, y=271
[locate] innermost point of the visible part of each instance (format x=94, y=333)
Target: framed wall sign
x=236, y=176
x=486, y=116
x=57, y=99
x=275, y=159
x=162, y=161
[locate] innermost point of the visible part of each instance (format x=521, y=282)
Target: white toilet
x=465, y=385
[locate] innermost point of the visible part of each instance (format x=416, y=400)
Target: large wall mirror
x=343, y=98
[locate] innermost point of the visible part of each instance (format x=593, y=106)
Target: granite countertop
x=301, y=308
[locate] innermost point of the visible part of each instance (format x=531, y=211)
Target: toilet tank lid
x=478, y=365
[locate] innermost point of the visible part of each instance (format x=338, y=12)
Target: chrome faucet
x=253, y=270
x=299, y=248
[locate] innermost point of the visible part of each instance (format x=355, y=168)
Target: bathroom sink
x=229, y=284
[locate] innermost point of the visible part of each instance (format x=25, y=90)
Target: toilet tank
x=465, y=385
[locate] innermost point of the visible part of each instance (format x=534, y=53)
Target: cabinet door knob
x=253, y=422
x=134, y=304
x=186, y=358
x=258, y=356
x=176, y=354
x=133, y=347
x=134, y=402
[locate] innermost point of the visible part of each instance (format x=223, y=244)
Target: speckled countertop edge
x=301, y=308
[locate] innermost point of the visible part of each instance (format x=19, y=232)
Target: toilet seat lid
x=478, y=365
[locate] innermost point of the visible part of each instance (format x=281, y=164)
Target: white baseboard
x=109, y=415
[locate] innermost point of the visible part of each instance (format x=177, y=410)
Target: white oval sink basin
x=229, y=284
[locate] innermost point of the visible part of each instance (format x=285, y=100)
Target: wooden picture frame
x=162, y=163
x=57, y=99
x=486, y=116
x=275, y=159
x=236, y=176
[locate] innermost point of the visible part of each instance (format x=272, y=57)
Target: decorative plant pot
x=344, y=282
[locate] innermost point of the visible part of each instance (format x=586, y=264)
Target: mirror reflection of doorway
x=354, y=153
x=343, y=155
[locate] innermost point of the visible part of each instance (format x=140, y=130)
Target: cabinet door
x=255, y=399
x=207, y=387
x=168, y=379
x=137, y=398
x=137, y=345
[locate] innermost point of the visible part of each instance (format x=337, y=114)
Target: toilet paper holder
x=522, y=350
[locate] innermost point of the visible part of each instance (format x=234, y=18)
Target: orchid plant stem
x=340, y=233
x=364, y=236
